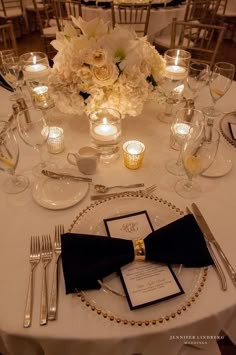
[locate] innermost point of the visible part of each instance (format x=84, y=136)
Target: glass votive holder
x=35, y=66
x=105, y=133
x=40, y=95
x=133, y=154
x=55, y=141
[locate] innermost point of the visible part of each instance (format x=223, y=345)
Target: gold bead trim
x=140, y=323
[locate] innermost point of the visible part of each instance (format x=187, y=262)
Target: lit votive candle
x=55, y=142
x=181, y=130
x=34, y=71
x=104, y=131
x=40, y=94
x=133, y=154
x=175, y=72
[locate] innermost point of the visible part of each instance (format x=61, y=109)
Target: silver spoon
x=102, y=188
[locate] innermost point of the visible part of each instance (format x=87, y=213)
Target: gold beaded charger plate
x=224, y=127
x=110, y=301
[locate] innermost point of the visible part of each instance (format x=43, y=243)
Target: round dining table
x=80, y=328
x=160, y=18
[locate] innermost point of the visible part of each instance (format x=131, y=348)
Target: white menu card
x=144, y=282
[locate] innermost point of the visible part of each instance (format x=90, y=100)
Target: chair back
x=201, y=10
x=11, y=8
x=8, y=39
x=201, y=40
x=133, y=15
x=64, y=9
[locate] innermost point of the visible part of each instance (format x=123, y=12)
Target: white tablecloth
x=159, y=18
x=78, y=330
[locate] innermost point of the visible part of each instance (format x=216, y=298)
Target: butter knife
x=54, y=175
x=218, y=268
x=209, y=236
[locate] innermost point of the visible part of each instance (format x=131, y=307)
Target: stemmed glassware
x=176, y=71
x=9, y=157
x=11, y=73
x=34, y=131
x=220, y=82
x=198, y=77
x=198, y=154
x=186, y=119
x=36, y=69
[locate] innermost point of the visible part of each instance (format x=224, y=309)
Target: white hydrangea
x=103, y=67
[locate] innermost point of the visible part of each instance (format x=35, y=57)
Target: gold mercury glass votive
x=55, y=142
x=133, y=154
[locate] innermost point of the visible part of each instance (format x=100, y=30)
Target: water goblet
x=220, y=81
x=176, y=71
x=198, y=154
x=9, y=157
x=11, y=73
x=185, y=120
x=34, y=131
x=198, y=77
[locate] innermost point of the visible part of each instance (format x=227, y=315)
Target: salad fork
x=146, y=191
x=34, y=260
x=46, y=256
x=54, y=292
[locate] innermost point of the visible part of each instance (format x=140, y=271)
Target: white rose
x=98, y=58
x=84, y=73
x=105, y=75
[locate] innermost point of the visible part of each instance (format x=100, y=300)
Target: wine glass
x=11, y=73
x=198, y=154
x=34, y=131
x=220, y=82
x=9, y=157
x=176, y=71
x=186, y=119
x=198, y=77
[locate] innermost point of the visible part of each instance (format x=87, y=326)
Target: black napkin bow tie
x=88, y=258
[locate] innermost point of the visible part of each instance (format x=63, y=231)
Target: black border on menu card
x=232, y=129
x=146, y=282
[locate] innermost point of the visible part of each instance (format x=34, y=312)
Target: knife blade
x=210, y=237
x=54, y=175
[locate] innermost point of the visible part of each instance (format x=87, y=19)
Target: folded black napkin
x=88, y=258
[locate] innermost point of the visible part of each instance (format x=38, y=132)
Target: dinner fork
x=46, y=255
x=34, y=260
x=52, y=314
x=146, y=191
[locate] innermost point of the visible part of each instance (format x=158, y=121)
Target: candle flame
x=34, y=59
x=105, y=120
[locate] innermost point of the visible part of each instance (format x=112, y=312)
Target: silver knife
x=209, y=236
x=54, y=175
x=218, y=268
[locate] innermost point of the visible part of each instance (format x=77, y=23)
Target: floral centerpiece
x=103, y=67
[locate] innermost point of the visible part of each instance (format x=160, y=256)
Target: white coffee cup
x=86, y=160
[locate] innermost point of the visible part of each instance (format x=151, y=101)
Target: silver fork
x=52, y=314
x=34, y=260
x=146, y=191
x=46, y=259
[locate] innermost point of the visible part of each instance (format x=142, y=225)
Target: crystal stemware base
x=175, y=168
x=15, y=184
x=188, y=189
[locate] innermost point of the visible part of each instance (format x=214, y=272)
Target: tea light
x=104, y=131
x=35, y=71
x=133, y=154
x=40, y=93
x=175, y=72
x=55, y=142
x=181, y=130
